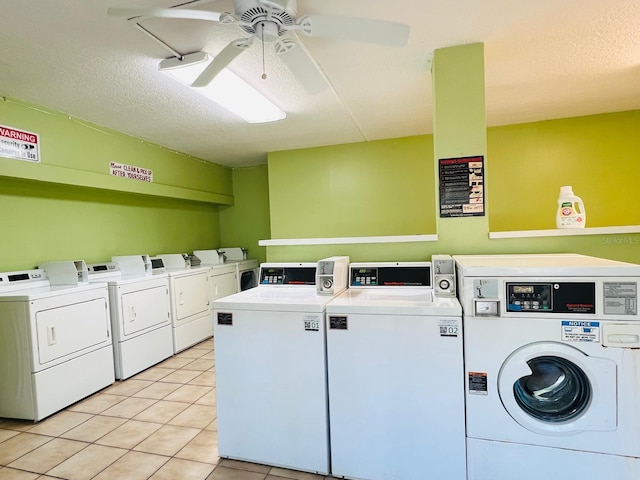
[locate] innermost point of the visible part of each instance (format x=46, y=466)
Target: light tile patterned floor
x=159, y=425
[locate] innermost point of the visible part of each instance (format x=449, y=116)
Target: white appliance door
x=191, y=295
x=144, y=309
x=68, y=329
x=396, y=396
x=223, y=285
x=552, y=388
x=271, y=388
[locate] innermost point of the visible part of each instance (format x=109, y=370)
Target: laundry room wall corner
x=247, y=221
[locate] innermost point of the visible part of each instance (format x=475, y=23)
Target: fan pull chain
x=264, y=70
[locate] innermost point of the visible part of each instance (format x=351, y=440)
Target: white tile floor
x=159, y=425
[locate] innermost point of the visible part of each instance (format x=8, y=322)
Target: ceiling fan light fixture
x=227, y=89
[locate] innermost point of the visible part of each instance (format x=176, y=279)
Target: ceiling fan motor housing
x=269, y=19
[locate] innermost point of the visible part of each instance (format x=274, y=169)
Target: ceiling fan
x=275, y=22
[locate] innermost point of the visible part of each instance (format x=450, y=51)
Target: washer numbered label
x=312, y=323
x=449, y=327
x=477, y=383
x=577, y=331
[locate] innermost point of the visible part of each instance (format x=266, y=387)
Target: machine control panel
x=561, y=297
x=12, y=277
x=401, y=276
x=288, y=276
x=529, y=297
x=364, y=276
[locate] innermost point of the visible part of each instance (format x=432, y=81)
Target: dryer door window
x=557, y=390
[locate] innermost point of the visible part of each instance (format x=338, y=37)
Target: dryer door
x=555, y=389
x=248, y=279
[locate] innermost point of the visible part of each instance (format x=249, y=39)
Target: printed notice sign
x=19, y=144
x=578, y=331
x=129, y=171
x=462, y=187
x=478, y=383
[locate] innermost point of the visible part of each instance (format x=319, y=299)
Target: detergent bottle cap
x=566, y=190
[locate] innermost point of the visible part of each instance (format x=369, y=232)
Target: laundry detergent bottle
x=571, y=212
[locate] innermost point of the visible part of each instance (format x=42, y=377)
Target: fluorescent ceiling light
x=227, y=89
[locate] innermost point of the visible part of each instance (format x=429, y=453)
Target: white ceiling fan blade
x=164, y=13
x=224, y=58
x=295, y=57
x=381, y=32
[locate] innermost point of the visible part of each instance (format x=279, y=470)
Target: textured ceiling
x=545, y=59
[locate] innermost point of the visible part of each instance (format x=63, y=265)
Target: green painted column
x=460, y=130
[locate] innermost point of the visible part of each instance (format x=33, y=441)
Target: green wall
x=364, y=189
x=604, y=146
x=44, y=221
x=247, y=221
x=70, y=207
x=599, y=155
x=460, y=130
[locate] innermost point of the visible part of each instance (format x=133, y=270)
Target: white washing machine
x=247, y=269
x=396, y=378
x=191, y=315
x=271, y=383
x=140, y=313
x=552, y=350
x=55, y=339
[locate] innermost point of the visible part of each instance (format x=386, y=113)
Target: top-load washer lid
x=282, y=286
x=275, y=298
x=539, y=265
x=394, y=301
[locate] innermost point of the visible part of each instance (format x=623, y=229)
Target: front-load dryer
x=247, y=269
x=140, y=313
x=223, y=277
x=271, y=383
x=552, y=349
x=55, y=340
x=395, y=373
x=190, y=299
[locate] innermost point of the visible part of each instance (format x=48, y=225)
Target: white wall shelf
x=348, y=240
x=566, y=232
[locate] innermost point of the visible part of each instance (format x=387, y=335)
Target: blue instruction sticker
x=580, y=331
